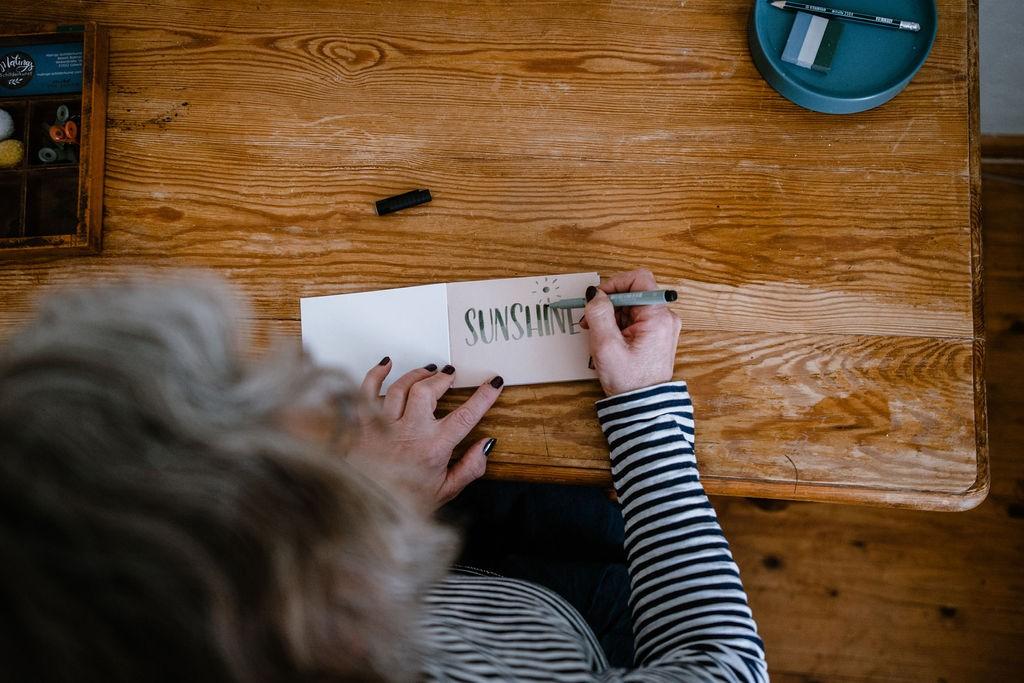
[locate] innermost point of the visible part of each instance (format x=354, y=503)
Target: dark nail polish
x=497, y=382
x=385, y=360
x=489, y=446
x=591, y=292
x=431, y=367
x=448, y=369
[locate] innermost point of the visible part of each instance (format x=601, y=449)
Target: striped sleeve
x=690, y=612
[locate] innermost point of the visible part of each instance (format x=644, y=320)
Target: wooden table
x=828, y=266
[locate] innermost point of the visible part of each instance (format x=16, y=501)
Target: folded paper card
x=484, y=328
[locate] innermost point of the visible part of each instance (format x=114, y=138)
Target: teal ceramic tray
x=871, y=65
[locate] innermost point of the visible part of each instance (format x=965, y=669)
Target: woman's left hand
x=399, y=433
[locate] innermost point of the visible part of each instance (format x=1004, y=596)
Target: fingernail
x=591, y=292
x=497, y=382
x=385, y=360
x=448, y=369
x=489, y=446
x=431, y=367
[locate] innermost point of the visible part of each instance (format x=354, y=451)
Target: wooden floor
x=851, y=594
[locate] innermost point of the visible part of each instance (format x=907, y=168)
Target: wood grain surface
x=827, y=265
x=844, y=593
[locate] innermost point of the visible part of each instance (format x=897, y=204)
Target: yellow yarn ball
x=11, y=153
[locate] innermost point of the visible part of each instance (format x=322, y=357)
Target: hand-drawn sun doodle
x=546, y=290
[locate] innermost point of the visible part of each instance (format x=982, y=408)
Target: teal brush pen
x=619, y=299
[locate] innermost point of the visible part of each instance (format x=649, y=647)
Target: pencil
x=847, y=15
x=652, y=298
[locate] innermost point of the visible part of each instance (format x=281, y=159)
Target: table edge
x=979, y=490
x=798, y=491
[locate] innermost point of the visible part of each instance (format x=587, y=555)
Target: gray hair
x=159, y=521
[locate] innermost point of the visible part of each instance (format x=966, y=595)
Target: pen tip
x=671, y=295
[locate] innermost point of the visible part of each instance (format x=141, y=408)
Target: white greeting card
x=484, y=328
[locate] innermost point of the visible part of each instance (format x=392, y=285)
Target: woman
x=175, y=509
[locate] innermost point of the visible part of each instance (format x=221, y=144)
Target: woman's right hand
x=632, y=347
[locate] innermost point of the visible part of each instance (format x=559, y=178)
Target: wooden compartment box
x=51, y=200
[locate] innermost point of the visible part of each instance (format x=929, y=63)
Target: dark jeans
x=566, y=538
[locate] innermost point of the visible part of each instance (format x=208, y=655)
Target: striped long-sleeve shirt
x=690, y=614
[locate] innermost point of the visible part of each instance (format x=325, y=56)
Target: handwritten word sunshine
x=516, y=322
